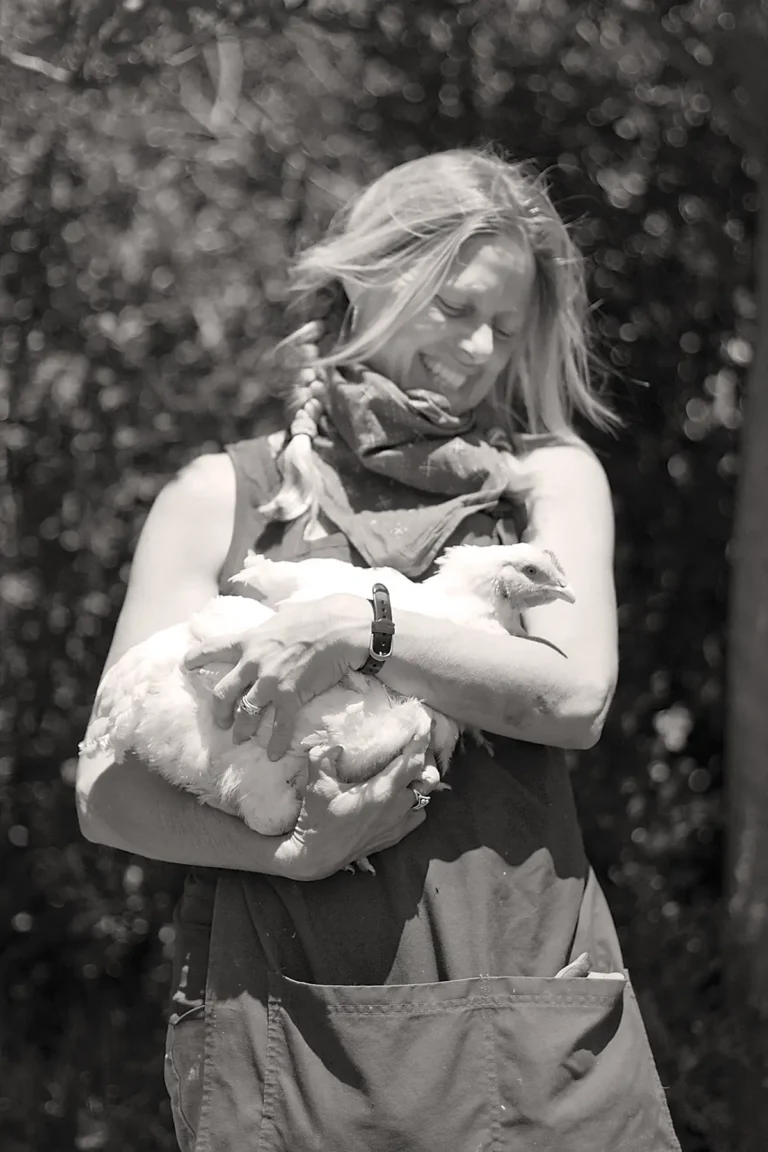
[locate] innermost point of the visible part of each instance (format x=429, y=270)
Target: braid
x=301, y=486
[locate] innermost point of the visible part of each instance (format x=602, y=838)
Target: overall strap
x=257, y=480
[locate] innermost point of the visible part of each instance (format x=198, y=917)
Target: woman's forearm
x=130, y=807
x=508, y=685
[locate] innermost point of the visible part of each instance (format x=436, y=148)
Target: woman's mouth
x=448, y=377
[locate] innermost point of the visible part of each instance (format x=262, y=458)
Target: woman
x=416, y=1008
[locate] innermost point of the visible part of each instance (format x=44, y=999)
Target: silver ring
x=250, y=709
x=421, y=799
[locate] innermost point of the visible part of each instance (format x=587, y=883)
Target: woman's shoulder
x=562, y=460
x=209, y=474
x=527, y=443
x=212, y=477
x=201, y=492
x=196, y=503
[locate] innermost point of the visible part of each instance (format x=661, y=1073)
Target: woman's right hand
x=339, y=823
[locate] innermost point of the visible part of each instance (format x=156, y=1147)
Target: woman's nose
x=478, y=344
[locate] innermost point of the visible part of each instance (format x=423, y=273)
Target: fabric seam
x=179, y=1110
x=202, y=1136
x=659, y=1088
x=491, y=1074
x=270, y=1079
x=472, y=1002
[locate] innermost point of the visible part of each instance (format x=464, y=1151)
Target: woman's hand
x=339, y=823
x=303, y=650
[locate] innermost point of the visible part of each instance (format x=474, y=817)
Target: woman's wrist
x=292, y=862
x=353, y=615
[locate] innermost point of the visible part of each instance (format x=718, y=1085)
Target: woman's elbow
x=583, y=712
x=584, y=736
x=101, y=806
x=567, y=714
x=92, y=826
x=96, y=832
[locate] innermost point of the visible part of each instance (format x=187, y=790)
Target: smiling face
x=459, y=343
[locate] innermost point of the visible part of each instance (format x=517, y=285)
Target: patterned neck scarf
x=437, y=469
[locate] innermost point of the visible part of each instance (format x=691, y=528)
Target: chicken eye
x=531, y=570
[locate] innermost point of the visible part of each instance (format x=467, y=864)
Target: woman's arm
x=180, y=552
x=174, y=572
x=136, y=810
x=555, y=693
x=128, y=806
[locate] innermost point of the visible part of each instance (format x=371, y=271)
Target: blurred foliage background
x=159, y=163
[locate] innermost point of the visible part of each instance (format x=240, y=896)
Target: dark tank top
x=313, y=990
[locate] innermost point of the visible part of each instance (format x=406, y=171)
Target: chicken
x=485, y=587
x=150, y=704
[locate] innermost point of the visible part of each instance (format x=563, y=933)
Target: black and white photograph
x=384, y=576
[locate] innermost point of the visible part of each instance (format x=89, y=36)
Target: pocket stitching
x=494, y=1092
x=659, y=1087
x=270, y=1078
x=203, y=1141
x=474, y=1002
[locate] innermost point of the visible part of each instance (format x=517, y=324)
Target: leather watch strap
x=382, y=631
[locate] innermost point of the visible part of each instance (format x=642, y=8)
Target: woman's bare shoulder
x=180, y=551
x=210, y=477
x=567, y=469
x=195, y=513
x=196, y=508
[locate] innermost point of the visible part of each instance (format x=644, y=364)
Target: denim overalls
x=414, y=1010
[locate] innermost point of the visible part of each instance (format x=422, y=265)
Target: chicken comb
x=555, y=561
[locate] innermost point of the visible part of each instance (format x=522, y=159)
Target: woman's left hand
x=303, y=650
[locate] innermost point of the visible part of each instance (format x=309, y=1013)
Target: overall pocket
x=487, y=1064
x=575, y=1070
x=394, y=1068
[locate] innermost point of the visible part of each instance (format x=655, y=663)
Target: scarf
x=437, y=469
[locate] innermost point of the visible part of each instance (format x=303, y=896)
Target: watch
x=382, y=631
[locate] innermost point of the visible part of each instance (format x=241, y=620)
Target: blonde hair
x=414, y=219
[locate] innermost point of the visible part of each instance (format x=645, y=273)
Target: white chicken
x=150, y=704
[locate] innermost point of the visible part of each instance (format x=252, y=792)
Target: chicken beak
x=565, y=592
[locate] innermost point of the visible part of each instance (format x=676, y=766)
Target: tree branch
x=35, y=64
x=229, y=82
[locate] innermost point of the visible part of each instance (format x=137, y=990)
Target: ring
x=250, y=709
x=421, y=799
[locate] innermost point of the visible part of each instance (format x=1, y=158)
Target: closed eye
x=451, y=309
